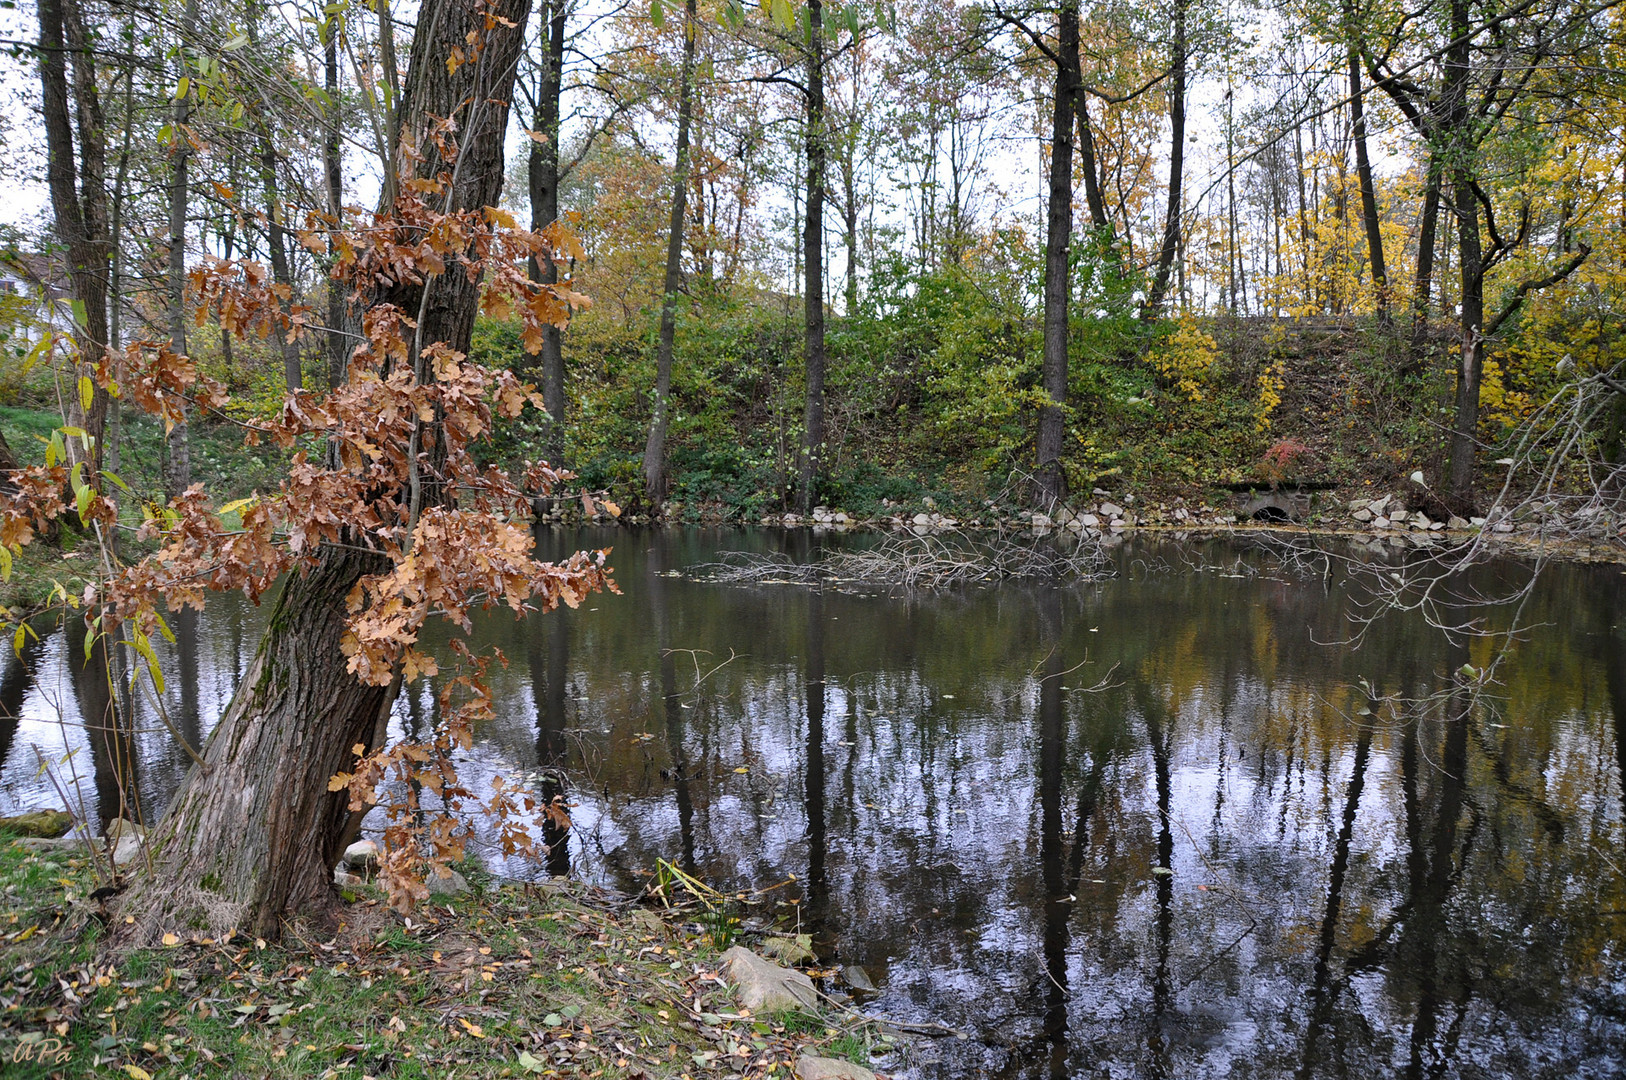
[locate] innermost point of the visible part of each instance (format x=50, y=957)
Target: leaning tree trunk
x=1177, y=155
x=1370, y=223
x=1052, y=485
x=251, y=838
x=251, y=835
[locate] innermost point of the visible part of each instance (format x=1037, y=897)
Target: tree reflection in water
x=1214, y=867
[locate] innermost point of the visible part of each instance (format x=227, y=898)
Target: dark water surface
x=1218, y=865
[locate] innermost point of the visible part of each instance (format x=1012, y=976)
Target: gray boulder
x=764, y=986
x=809, y=1067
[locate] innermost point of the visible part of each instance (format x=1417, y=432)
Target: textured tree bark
x=544, y=193
x=250, y=839
x=813, y=264
x=250, y=836
x=1051, y=481
x=655, y=448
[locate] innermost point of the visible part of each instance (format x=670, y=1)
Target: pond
x=1147, y=826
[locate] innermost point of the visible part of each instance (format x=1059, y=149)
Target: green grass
x=518, y=982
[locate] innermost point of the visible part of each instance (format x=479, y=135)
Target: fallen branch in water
x=929, y=562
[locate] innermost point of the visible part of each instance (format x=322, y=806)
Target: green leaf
x=550, y=1020
x=236, y=41
x=83, y=496
x=183, y=89
x=80, y=318
x=657, y=14
x=850, y=14
x=55, y=451
x=783, y=15
x=163, y=628
x=143, y=646
x=120, y=484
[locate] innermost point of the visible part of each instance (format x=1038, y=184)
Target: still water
x=1145, y=827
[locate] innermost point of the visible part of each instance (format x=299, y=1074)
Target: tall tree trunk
x=1470, y=254
x=338, y=350
x=1051, y=481
x=813, y=263
x=252, y=835
x=1177, y=159
x=655, y=448
x=178, y=443
x=80, y=208
x=544, y=193
x=1363, y=172
x=276, y=235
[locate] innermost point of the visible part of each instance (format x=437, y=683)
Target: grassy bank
x=508, y=981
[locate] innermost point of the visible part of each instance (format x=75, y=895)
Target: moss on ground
x=510, y=981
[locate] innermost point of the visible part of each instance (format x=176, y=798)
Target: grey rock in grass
x=764, y=986
x=809, y=1067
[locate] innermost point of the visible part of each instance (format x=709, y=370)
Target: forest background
x=868, y=255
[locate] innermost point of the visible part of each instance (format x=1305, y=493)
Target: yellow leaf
x=137, y=1072
x=473, y=1029
x=171, y=939
x=742, y=769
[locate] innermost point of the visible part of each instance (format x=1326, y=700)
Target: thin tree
x=76, y=165
x=655, y=448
